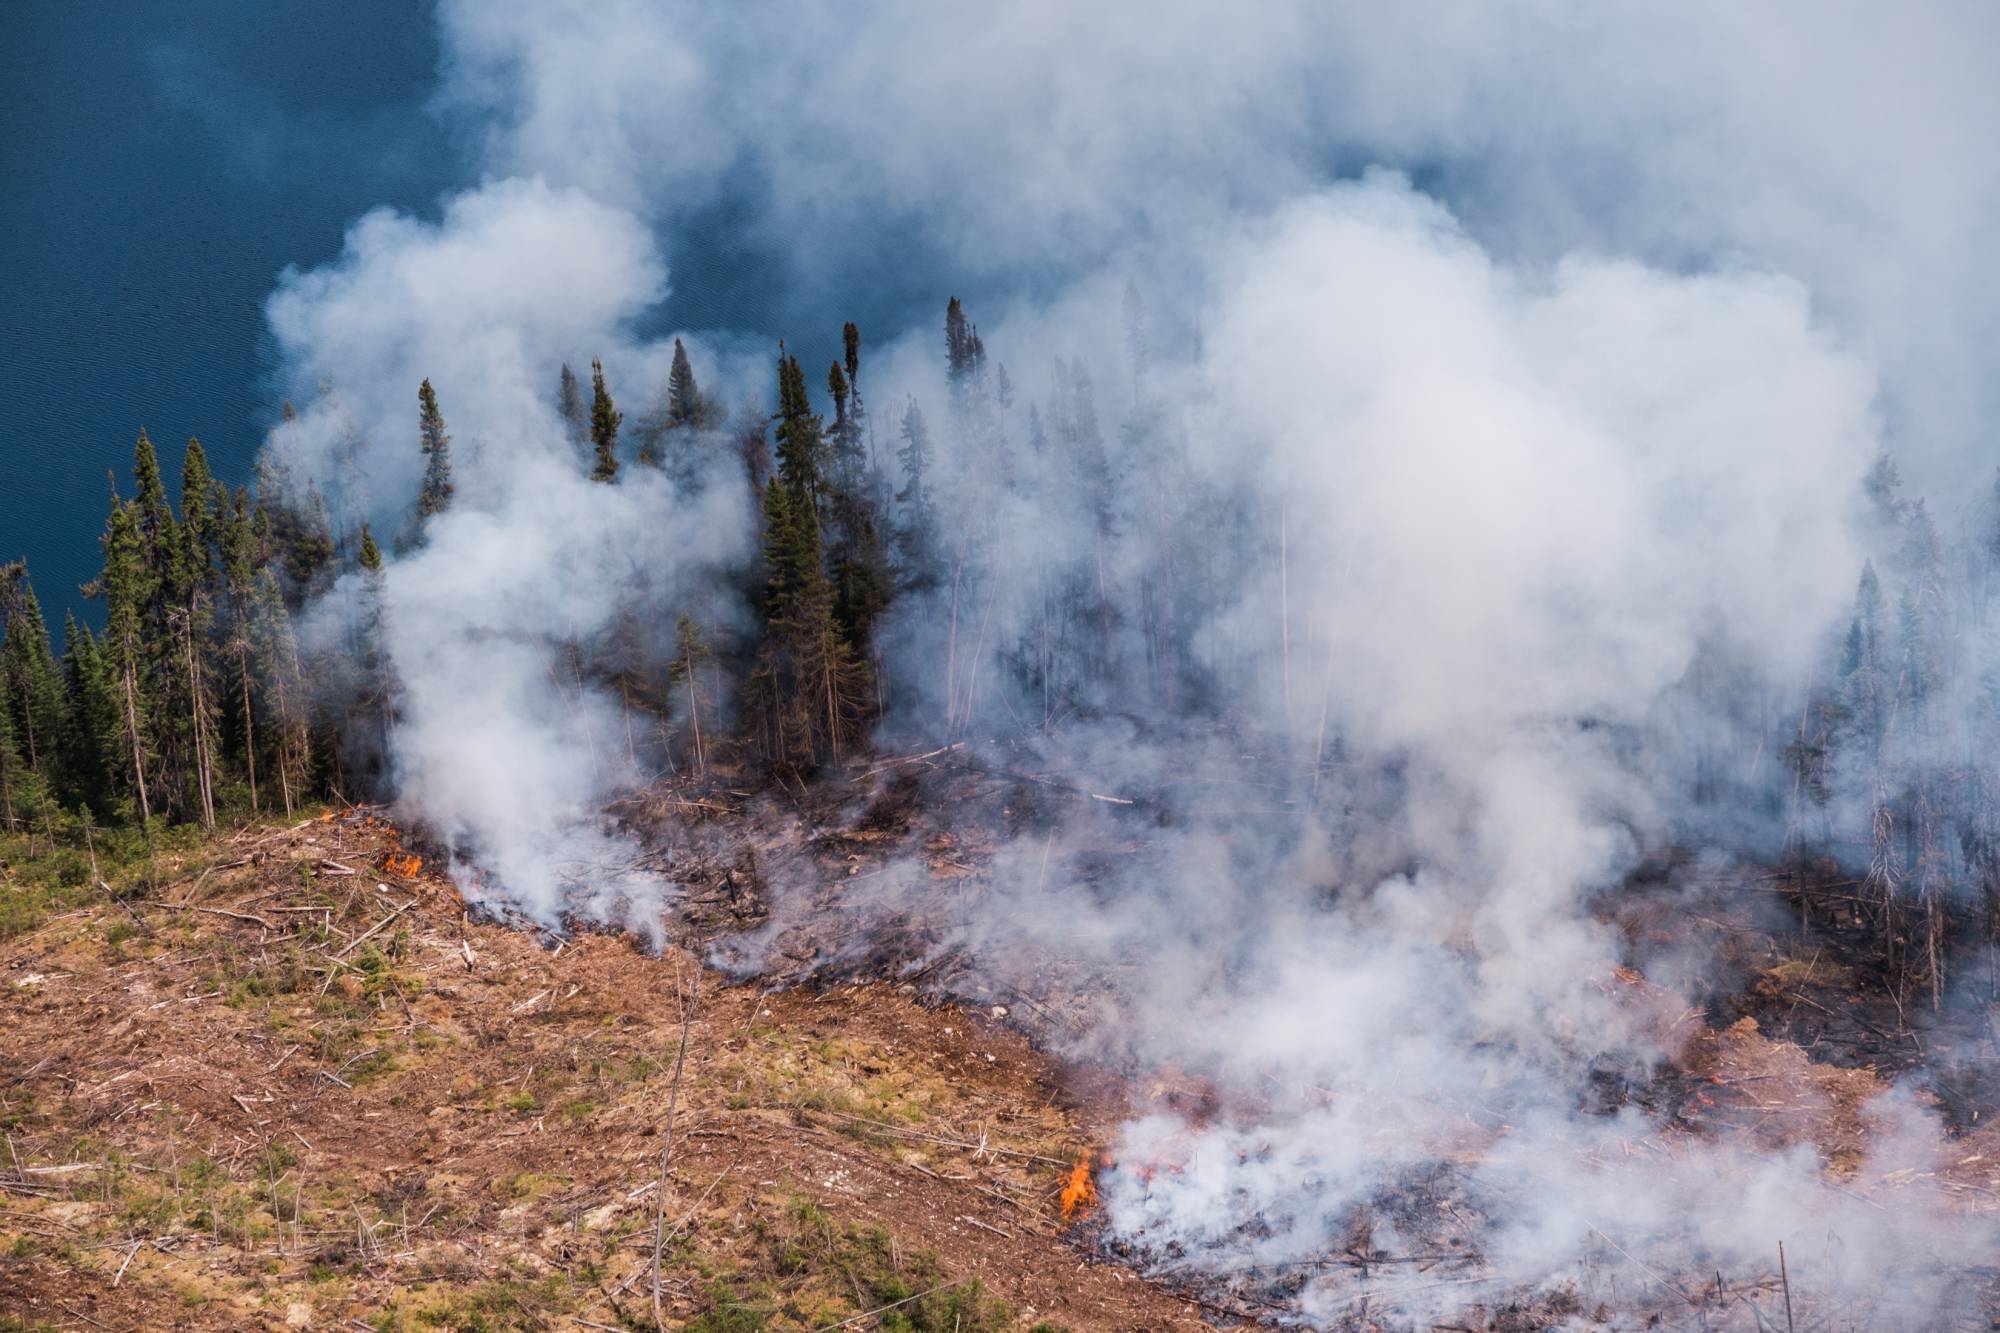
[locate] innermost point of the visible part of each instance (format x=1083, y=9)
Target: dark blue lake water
x=159, y=164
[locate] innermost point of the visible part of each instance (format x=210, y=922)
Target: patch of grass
x=816, y=1271
x=379, y=976
x=245, y=985
x=728, y=1312
x=48, y=869
x=9, y=1324
x=494, y=1307
x=523, y=1185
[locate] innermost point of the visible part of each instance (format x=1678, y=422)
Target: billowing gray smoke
x=501, y=747
x=1500, y=459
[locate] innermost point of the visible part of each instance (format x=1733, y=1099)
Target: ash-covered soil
x=1792, y=1028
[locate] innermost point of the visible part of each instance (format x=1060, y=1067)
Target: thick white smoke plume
x=1848, y=147
x=1537, y=352
x=501, y=747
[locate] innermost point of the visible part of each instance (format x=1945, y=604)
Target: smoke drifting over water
x=1497, y=464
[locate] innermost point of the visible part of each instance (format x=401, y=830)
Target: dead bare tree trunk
x=972, y=672
x=249, y=726
x=1931, y=888
x=130, y=684
x=7, y=794
x=951, y=655
x=694, y=721
x=1882, y=873
x=204, y=764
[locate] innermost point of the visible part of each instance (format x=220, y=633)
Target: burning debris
x=1079, y=1191
x=1397, y=1190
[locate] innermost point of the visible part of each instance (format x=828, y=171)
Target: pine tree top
x=435, y=495
x=836, y=385
x=605, y=419
x=799, y=432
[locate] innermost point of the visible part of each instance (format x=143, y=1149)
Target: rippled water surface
x=159, y=164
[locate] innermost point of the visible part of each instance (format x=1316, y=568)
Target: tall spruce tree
x=964, y=353
x=435, y=496
x=295, y=528
x=685, y=405
x=12, y=769
x=846, y=455
x=916, y=535
x=91, y=746
x=798, y=441
x=668, y=439
x=34, y=684
x=604, y=421
x=863, y=585
x=127, y=588
x=569, y=402
x=810, y=687
x=193, y=622
x=277, y=658
x=240, y=543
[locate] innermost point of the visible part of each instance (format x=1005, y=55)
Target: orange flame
x=1079, y=1193
x=403, y=863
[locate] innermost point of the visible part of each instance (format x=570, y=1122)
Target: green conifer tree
x=916, y=535
x=240, y=545
x=604, y=422
x=192, y=619
x=294, y=527
x=35, y=685
x=964, y=354
x=435, y=496
x=569, y=403
x=798, y=437
x=127, y=586
x=277, y=658
x=807, y=681
x=672, y=439
x=845, y=452
x=92, y=743
x=685, y=405
x=11, y=765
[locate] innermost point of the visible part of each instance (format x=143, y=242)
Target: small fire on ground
x=1079, y=1194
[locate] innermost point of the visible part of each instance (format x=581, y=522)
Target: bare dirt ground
x=305, y=1090
x=300, y=1087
